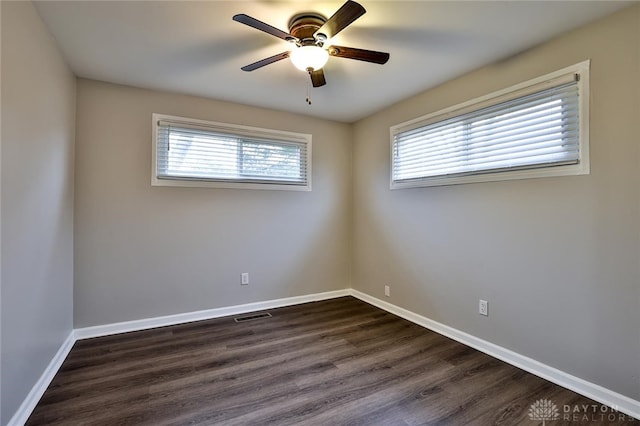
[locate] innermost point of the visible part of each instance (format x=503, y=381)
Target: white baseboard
x=144, y=324
x=605, y=396
x=598, y=393
x=30, y=402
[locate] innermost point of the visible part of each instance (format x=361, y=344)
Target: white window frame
x=235, y=130
x=581, y=70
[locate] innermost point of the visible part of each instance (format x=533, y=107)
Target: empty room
x=322, y=213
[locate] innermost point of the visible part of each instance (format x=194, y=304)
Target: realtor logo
x=544, y=410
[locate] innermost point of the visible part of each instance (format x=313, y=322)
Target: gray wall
x=557, y=258
x=38, y=125
x=143, y=251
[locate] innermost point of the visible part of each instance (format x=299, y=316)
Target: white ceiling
x=195, y=47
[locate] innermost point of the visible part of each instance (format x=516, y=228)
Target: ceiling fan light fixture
x=310, y=36
x=305, y=57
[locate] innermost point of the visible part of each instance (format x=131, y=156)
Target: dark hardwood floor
x=335, y=362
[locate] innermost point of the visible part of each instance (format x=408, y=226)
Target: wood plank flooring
x=335, y=362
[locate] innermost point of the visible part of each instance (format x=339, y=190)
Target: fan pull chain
x=308, y=99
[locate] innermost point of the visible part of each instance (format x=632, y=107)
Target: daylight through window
x=197, y=153
x=533, y=130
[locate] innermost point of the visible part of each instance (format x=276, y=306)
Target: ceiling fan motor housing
x=304, y=25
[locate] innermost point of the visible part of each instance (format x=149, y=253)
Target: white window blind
x=519, y=130
x=216, y=154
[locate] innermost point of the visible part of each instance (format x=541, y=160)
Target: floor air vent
x=253, y=317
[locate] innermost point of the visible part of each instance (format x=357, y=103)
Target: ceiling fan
x=311, y=34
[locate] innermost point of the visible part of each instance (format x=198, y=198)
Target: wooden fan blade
x=259, y=25
x=349, y=12
x=266, y=61
x=317, y=78
x=359, y=54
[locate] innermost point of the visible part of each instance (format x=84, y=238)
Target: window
x=536, y=129
x=190, y=152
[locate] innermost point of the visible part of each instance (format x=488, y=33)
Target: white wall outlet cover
x=483, y=307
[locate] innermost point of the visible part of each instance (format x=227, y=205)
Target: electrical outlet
x=244, y=278
x=483, y=307
x=387, y=291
